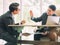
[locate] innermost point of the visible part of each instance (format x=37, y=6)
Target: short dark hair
x=13, y=7
x=53, y=7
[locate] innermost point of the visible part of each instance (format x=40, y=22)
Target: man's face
x=17, y=11
x=50, y=11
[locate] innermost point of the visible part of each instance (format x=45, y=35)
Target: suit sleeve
x=37, y=19
x=10, y=30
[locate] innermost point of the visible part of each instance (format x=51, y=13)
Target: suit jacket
x=5, y=20
x=43, y=18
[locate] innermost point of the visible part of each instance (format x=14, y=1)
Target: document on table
x=2, y=42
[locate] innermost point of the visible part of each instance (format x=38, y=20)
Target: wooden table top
x=35, y=25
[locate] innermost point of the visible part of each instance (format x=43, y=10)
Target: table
x=35, y=25
x=52, y=26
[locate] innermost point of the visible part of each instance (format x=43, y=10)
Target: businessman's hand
x=23, y=22
x=31, y=13
x=45, y=33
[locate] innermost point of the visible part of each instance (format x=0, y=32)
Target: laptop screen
x=52, y=20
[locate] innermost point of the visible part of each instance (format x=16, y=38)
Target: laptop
x=52, y=20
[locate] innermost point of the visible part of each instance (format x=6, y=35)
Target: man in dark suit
x=43, y=18
x=7, y=33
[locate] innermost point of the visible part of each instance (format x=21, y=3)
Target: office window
x=1, y=7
